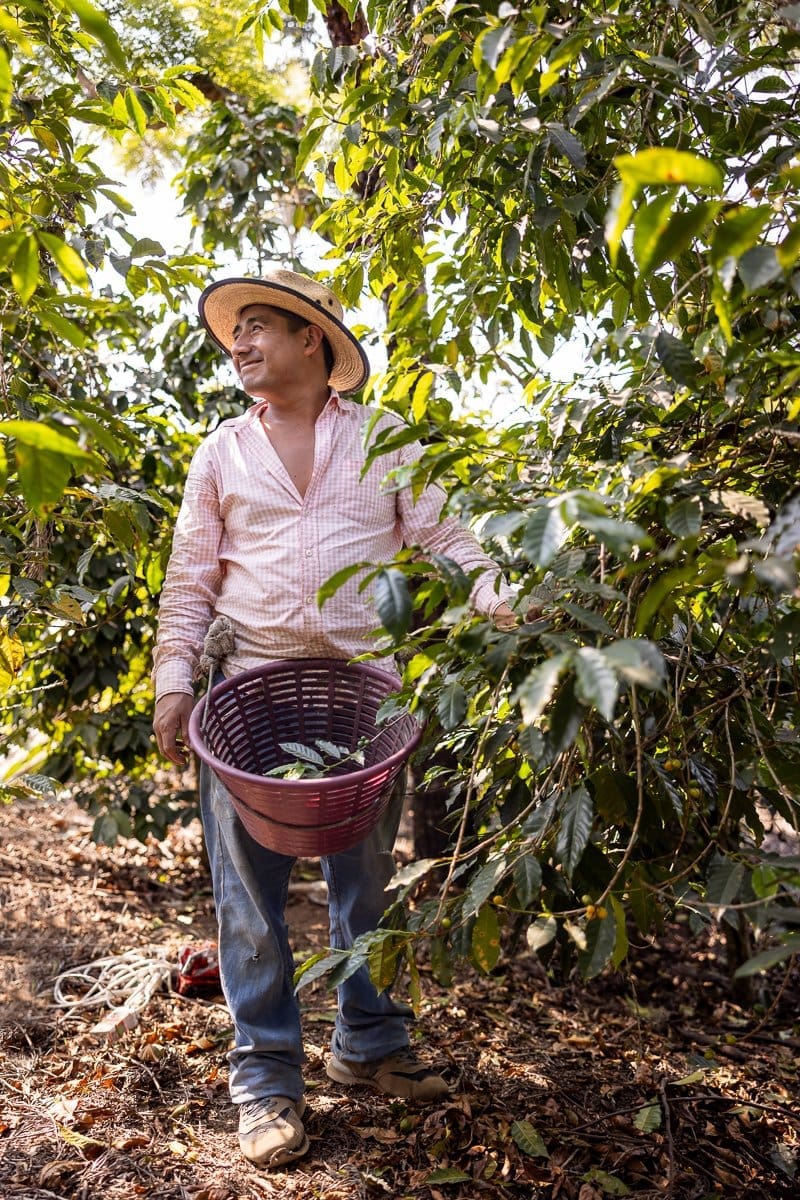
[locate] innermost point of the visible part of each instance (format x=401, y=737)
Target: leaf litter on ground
x=648, y=1084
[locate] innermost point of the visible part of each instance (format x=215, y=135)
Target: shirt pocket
x=365, y=501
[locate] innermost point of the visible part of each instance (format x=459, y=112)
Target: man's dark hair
x=295, y=322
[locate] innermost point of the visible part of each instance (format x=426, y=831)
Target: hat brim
x=221, y=303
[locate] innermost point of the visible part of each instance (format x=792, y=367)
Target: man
x=275, y=504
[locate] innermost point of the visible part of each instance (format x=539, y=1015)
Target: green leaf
x=451, y=705
x=105, y=832
x=601, y=938
x=648, y=1119
x=68, y=261
x=596, y=681
x=588, y=618
x=588, y=99
x=331, y=586
x=407, y=876
x=63, y=328
x=577, y=813
x=544, y=534
x=759, y=267
x=12, y=656
x=737, y=232
x=317, y=966
x=6, y=82
x=118, y=200
x=618, y=215
x=789, y=249
x=567, y=144
x=95, y=23
x=510, y=246
x=719, y=299
x=39, y=435
x=619, y=535
x=607, y=1183
x=393, y=601
x=491, y=44
x=527, y=876
x=620, y=952
x=638, y=661
x=534, y=693
x=676, y=358
x=482, y=885
x=25, y=269
x=382, y=961
x=769, y=958
x=648, y=228
x=724, y=882
x=785, y=640
x=458, y=582
x=147, y=248
x=485, y=945
x=541, y=932
x=303, y=752
x=447, y=1175
x=441, y=962
x=135, y=111
x=659, y=592
x=681, y=228
x=529, y=1139
x=750, y=508
x=685, y=519
x=330, y=748
x=660, y=165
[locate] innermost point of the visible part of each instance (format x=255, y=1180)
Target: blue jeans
x=251, y=885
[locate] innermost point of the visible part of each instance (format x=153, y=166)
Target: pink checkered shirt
x=248, y=546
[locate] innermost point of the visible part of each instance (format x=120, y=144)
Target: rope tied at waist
x=218, y=643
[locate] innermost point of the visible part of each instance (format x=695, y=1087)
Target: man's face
x=266, y=353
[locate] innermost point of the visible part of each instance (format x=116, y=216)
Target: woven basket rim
x=300, y=787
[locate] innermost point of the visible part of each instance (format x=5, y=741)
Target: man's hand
x=171, y=725
x=504, y=617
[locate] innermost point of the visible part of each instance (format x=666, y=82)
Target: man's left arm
x=422, y=524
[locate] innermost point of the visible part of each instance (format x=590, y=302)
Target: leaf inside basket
x=311, y=764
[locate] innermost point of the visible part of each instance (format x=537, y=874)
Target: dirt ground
x=650, y=1083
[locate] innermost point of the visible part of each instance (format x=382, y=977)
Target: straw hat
x=221, y=303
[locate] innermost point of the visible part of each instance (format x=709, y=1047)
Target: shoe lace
x=407, y=1057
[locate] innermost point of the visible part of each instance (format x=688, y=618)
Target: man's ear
x=314, y=337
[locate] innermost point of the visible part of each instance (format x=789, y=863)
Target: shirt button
x=309, y=553
x=309, y=599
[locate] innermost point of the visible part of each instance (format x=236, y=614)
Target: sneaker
x=399, y=1074
x=271, y=1132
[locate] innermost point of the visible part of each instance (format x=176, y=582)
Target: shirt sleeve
x=423, y=525
x=192, y=581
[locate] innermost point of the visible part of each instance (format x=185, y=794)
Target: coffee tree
x=510, y=178
x=90, y=462
x=106, y=381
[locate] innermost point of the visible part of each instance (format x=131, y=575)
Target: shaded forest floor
x=650, y=1084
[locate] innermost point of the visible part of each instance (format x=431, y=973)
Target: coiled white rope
x=122, y=983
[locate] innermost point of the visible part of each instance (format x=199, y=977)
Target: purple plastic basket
x=302, y=700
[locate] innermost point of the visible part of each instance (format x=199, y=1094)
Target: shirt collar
x=336, y=401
